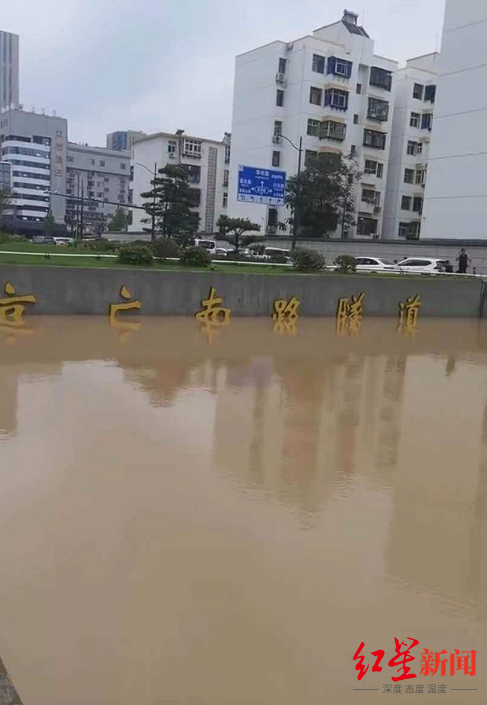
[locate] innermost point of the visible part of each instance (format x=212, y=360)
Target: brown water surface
x=186, y=522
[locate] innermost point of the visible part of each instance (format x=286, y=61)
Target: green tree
x=324, y=195
x=170, y=201
x=233, y=230
x=50, y=223
x=119, y=221
x=5, y=199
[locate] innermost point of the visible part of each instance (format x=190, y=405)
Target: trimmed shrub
x=130, y=254
x=305, y=260
x=164, y=248
x=345, y=264
x=196, y=257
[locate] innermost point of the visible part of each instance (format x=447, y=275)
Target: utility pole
x=82, y=209
x=153, y=227
x=297, y=212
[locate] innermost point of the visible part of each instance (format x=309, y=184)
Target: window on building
x=406, y=203
x=58, y=172
x=414, y=148
x=430, y=94
x=102, y=162
x=339, y=67
x=225, y=200
x=279, y=97
x=313, y=128
x=194, y=173
x=315, y=95
x=355, y=119
x=123, y=165
x=408, y=176
x=192, y=148
x=329, y=129
x=225, y=177
x=415, y=120
x=171, y=147
x=370, y=167
x=92, y=161
x=418, y=204
x=195, y=195
x=309, y=157
x=371, y=196
x=227, y=154
x=282, y=65
x=58, y=160
x=318, y=63
x=276, y=158
x=418, y=90
x=378, y=110
x=374, y=139
x=359, y=88
x=69, y=159
x=336, y=98
x=380, y=170
x=380, y=78
x=421, y=176
x=427, y=121
x=353, y=150
x=272, y=219
x=367, y=226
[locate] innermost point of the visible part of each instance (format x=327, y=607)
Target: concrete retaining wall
x=61, y=290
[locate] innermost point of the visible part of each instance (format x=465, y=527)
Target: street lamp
x=298, y=185
x=153, y=225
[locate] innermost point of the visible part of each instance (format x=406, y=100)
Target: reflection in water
x=221, y=522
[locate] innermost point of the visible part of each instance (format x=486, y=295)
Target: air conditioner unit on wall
x=280, y=77
x=276, y=139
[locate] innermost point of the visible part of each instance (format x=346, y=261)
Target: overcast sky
x=166, y=64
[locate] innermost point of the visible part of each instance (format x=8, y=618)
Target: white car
x=374, y=264
x=422, y=265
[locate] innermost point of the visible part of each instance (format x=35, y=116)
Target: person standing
x=463, y=261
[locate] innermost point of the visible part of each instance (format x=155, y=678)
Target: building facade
x=410, y=145
x=123, y=140
x=102, y=177
x=331, y=90
x=207, y=162
x=9, y=70
x=5, y=175
x=456, y=192
x=35, y=146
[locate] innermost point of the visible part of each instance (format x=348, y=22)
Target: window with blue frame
x=430, y=93
x=427, y=121
x=339, y=67
x=335, y=98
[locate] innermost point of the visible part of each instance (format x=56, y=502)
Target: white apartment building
x=9, y=70
x=328, y=88
x=102, y=177
x=35, y=146
x=207, y=162
x=456, y=191
x=410, y=144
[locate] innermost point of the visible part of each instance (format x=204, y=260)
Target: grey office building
x=35, y=145
x=102, y=177
x=123, y=140
x=9, y=70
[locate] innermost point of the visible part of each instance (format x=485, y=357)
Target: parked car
x=422, y=265
x=223, y=252
x=63, y=241
x=374, y=264
x=261, y=252
x=43, y=240
x=209, y=245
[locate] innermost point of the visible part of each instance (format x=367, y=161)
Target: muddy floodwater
x=223, y=519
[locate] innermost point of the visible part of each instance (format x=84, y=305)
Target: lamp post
x=153, y=224
x=298, y=186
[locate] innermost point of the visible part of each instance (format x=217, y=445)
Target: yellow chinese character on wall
x=126, y=306
x=213, y=317
x=349, y=315
x=409, y=316
x=12, y=308
x=286, y=315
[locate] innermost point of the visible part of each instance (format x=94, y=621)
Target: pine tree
x=170, y=201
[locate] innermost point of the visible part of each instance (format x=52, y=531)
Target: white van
x=262, y=252
x=209, y=245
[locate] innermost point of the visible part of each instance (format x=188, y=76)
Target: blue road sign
x=261, y=186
